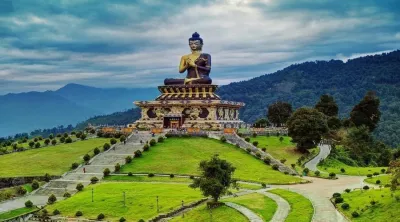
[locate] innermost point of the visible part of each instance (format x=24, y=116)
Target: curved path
x=324, y=151
x=283, y=207
x=246, y=212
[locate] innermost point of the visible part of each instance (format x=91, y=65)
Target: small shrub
x=150, y=175
x=153, y=142
x=74, y=165
x=79, y=187
x=293, y=165
x=78, y=213
x=100, y=217
x=141, y=220
x=65, y=135
x=56, y=212
x=117, y=167
x=338, y=200
x=373, y=202
x=223, y=139
x=138, y=153
x=146, y=147
x=255, y=143
x=347, y=190
x=68, y=140
x=317, y=173
x=332, y=175
x=286, y=173
x=366, y=187
x=53, y=142
x=369, y=175
x=264, y=149
x=94, y=180
x=86, y=158
x=128, y=159
x=171, y=175
x=247, y=139
x=21, y=190
x=275, y=167
x=376, y=173
x=383, y=170
x=160, y=139
x=52, y=199
x=237, y=145
x=62, y=140
x=130, y=174
x=191, y=177
x=355, y=214
x=248, y=150
x=258, y=154
x=67, y=195
x=283, y=160
x=122, y=138
x=113, y=141
x=96, y=151
x=47, y=141
x=122, y=219
x=35, y=139
x=306, y=171
x=35, y=184
x=342, y=170
x=28, y=204
x=263, y=185
x=106, y=172
x=345, y=206
x=378, y=182
x=336, y=195
x=37, y=145
x=267, y=160
x=47, y=177
x=106, y=146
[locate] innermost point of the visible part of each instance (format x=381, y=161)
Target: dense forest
x=348, y=82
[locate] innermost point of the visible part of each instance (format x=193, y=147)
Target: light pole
x=92, y=195
x=158, y=210
x=124, y=199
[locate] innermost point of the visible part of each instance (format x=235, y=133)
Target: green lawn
x=301, y=207
x=335, y=166
x=249, y=186
x=385, y=209
x=280, y=150
x=262, y=205
x=183, y=155
x=54, y=160
x=140, y=200
x=147, y=179
x=26, y=145
x=384, y=178
x=16, y=212
x=220, y=214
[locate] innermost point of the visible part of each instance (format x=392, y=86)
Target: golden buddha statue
x=197, y=65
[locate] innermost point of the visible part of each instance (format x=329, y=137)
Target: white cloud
x=356, y=55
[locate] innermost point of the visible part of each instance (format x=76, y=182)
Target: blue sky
x=45, y=44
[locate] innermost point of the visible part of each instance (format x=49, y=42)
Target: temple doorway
x=173, y=122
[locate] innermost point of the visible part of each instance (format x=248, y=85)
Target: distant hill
x=117, y=118
x=71, y=104
x=303, y=84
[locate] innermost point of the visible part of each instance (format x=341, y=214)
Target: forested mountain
x=118, y=118
x=303, y=84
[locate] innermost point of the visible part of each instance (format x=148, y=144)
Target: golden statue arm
x=183, y=65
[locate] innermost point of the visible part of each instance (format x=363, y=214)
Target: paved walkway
x=69, y=180
x=324, y=151
x=246, y=212
x=283, y=206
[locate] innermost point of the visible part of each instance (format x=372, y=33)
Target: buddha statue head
x=195, y=42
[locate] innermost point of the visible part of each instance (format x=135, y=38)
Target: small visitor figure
x=84, y=170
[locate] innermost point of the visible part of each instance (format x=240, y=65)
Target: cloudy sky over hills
x=47, y=44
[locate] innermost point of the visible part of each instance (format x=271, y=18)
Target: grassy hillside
x=54, y=160
x=183, y=155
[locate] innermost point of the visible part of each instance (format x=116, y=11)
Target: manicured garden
x=260, y=204
x=54, y=160
x=371, y=205
x=183, y=155
x=301, y=208
x=219, y=214
x=140, y=200
x=280, y=149
x=16, y=212
x=335, y=166
x=383, y=179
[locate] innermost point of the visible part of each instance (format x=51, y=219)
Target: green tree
x=306, y=127
x=279, y=112
x=31, y=144
x=327, y=105
x=262, y=122
x=395, y=169
x=366, y=112
x=47, y=141
x=216, y=177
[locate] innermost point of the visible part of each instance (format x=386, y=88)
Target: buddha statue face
x=195, y=45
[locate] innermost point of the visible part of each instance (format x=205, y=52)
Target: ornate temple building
x=190, y=102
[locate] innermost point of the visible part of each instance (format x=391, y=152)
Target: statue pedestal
x=189, y=106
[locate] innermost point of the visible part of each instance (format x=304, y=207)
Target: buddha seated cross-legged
x=197, y=65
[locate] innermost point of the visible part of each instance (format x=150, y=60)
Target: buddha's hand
x=190, y=63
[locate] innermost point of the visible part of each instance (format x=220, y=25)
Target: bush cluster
x=153, y=142
x=146, y=147
x=106, y=172
x=138, y=153
x=117, y=167
x=128, y=159
x=94, y=180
